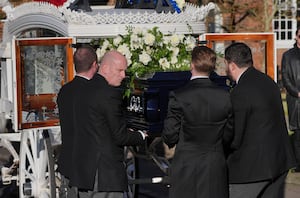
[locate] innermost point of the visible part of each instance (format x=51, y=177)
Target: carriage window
x=43, y=66
x=261, y=44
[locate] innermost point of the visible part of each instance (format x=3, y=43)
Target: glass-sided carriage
x=36, y=60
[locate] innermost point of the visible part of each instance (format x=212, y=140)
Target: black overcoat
x=261, y=145
x=290, y=68
x=198, y=114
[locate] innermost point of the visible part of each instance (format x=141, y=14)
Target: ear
x=103, y=69
x=232, y=66
x=96, y=65
x=192, y=66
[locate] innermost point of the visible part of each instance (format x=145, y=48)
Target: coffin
x=147, y=105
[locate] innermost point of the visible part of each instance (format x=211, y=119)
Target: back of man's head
x=84, y=57
x=204, y=59
x=240, y=54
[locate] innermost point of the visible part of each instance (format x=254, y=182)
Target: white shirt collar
x=83, y=76
x=195, y=77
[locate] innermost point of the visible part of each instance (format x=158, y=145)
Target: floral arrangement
x=148, y=51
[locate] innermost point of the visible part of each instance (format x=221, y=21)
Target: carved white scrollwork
x=110, y=16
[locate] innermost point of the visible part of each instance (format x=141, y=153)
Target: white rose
x=190, y=43
x=175, y=40
x=128, y=60
x=149, y=50
x=134, y=38
x=105, y=44
x=144, y=58
x=149, y=39
x=135, y=42
x=117, y=40
x=137, y=31
x=100, y=53
x=124, y=49
x=164, y=63
x=166, y=40
x=136, y=45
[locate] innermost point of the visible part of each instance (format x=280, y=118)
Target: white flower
x=135, y=42
x=164, y=63
x=124, y=49
x=174, y=60
x=190, y=43
x=117, y=40
x=175, y=51
x=149, y=39
x=100, y=53
x=186, y=62
x=138, y=31
x=166, y=40
x=105, y=44
x=144, y=58
x=128, y=60
x=143, y=53
x=174, y=40
x=149, y=50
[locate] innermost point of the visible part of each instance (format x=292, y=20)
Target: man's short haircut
x=84, y=57
x=240, y=54
x=204, y=59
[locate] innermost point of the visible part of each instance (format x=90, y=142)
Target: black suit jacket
x=198, y=115
x=65, y=102
x=261, y=144
x=101, y=134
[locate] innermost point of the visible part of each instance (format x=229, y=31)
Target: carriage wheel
x=132, y=172
x=36, y=172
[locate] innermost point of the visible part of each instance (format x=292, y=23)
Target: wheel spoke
x=36, y=175
x=30, y=158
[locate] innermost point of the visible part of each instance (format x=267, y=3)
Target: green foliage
x=150, y=50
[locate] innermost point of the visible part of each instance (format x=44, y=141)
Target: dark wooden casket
x=147, y=105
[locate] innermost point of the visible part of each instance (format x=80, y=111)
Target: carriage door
x=43, y=65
